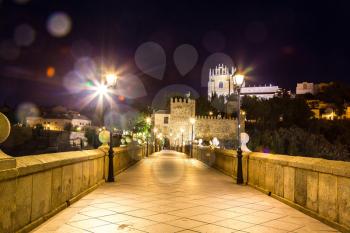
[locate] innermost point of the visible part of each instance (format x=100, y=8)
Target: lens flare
x=102, y=89
x=50, y=72
x=59, y=24
x=24, y=35
x=25, y=110
x=150, y=58
x=185, y=58
x=9, y=50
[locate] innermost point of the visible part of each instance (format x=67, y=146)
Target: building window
x=305, y=86
x=221, y=85
x=166, y=120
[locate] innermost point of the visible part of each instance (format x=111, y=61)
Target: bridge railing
x=317, y=187
x=34, y=188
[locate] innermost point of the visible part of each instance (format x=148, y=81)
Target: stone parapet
x=317, y=187
x=33, y=188
x=6, y=162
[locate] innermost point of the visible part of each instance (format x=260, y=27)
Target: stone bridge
x=169, y=192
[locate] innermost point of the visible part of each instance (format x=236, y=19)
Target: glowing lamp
x=104, y=137
x=192, y=120
x=239, y=79
x=102, y=89
x=111, y=79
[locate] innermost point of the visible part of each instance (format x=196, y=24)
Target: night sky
x=278, y=42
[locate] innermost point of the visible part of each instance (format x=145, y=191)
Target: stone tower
x=220, y=81
x=181, y=110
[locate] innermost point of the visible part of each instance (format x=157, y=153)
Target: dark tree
x=68, y=127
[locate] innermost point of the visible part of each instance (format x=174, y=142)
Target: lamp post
x=159, y=136
x=148, y=121
x=182, y=138
x=238, y=82
x=155, y=130
x=110, y=82
x=192, y=121
x=177, y=142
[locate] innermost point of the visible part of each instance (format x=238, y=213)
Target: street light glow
x=192, y=120
x=239, y=79
x=101, y=89
x=111, y=79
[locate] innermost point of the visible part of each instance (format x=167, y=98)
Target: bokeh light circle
x=24, y=35
x=50, y=71
x=168, y=170
x=185, y=58
x=9, y=50
x=86, y=67
x=211, y=62
x=59, y=24
x=161, y=99
x=122, y=117
x=74, y=82
x=25, y=110
x=150, y=58
x=130, y=86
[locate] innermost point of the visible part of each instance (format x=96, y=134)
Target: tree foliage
x=284, y=126
x=276, y=112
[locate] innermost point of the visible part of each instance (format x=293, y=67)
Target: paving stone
x=148, y=198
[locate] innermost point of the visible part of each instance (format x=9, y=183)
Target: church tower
x=220, y=81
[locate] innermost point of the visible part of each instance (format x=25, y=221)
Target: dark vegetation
x=285, y=126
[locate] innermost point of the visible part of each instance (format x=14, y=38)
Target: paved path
x=169, y=193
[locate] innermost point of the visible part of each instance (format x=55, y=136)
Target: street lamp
x=111, y=81
x=160, y=136
x=177, y=141
x=182, y=138
x=155, y=130
x=192, y=121
x=148, y=122
x=238, y=82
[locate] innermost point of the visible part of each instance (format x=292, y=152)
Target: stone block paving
x=168, y=192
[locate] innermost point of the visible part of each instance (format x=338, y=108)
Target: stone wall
x=317, y=187
x=207, y=127
x=33, y=188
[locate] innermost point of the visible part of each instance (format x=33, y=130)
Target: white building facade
x=221, y=82
x=305, y=88
x=57, y=120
